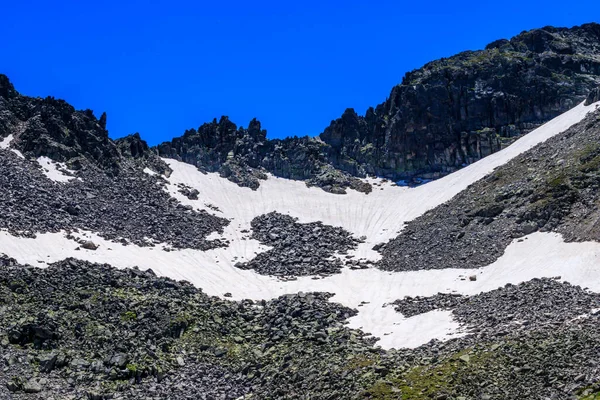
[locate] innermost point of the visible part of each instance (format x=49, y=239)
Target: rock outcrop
x=443, y=116
x=133, y=147
x=458, y=110
x=245, y=155
x=593, y=97
x=53, y=128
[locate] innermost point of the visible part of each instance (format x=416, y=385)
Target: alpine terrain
x=444, y=245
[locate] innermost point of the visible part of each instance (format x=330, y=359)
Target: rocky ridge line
x=443, y=116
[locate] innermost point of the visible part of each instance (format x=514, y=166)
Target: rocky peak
x=133, y=147
x=7, y=90
x=245, y=155
x=53, y=128
x=347, y=126
x=457, y=110
x=583, y=39
x=443, y=116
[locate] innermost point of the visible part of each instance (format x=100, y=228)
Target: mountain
x=446, y=115
x=214, y=266
x=244, y=155
x=454, y=111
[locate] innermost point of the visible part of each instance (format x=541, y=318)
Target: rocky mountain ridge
x=554, y=187
x=447, y=114
x=53, y=128
x=84, y=329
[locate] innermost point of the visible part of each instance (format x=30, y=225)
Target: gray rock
x=47, y=362
x=119, y=360
x=89, y=245
x=593, y=97
x=32, y=386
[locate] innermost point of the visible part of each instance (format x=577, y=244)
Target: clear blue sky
x=160, y=67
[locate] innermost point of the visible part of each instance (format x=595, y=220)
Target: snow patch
x=54, y=170
x=149, y=171
x=18, y=153
x=5, y=143
x=369, y=291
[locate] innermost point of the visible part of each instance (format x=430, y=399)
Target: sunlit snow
x=51, y=170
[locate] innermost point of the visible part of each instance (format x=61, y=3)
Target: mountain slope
x=124, y=275
x=552, y=188
x=371, y=219
x=82, y=328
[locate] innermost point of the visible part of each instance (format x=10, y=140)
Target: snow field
x=378, y=216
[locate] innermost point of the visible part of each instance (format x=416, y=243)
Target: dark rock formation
x=298, y=249
x=454, y=111
x=447, y=114
x=593, y=97
x=134, y=147
x=411, y=306
x=244, y=155
x=53, y=128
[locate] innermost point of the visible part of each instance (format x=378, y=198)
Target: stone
x=47, y=362
x=13, y=386
x=89, y=245
x=79, y=364
x=593, y=97
x=119, y=360
x=32, y=386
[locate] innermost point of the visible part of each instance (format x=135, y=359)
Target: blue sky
x=160, y=67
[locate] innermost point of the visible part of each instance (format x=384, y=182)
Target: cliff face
x=455, y=111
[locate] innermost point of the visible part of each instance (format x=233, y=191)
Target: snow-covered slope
x=378, y=217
